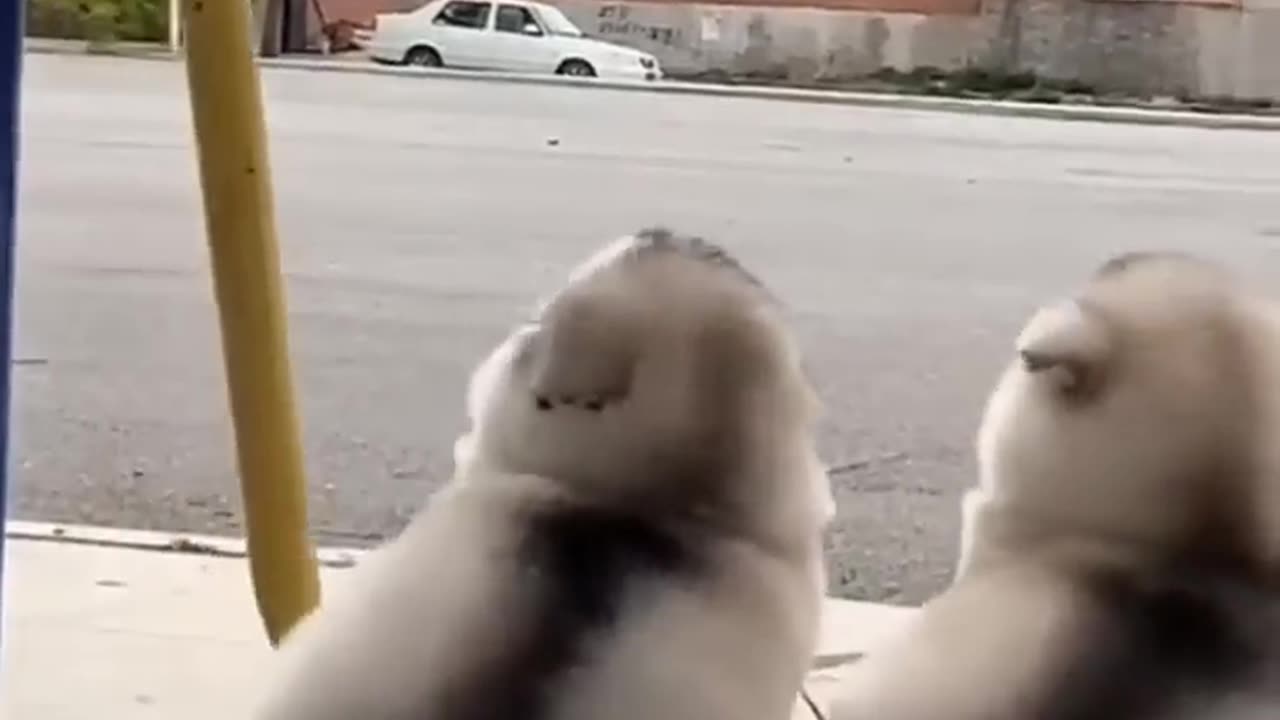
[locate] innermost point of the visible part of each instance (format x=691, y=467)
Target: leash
x=813, y=706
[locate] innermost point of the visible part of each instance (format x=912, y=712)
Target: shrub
x=99, y=21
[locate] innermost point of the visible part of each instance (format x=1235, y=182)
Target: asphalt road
x=420, y=218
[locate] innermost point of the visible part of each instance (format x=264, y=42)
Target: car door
x=460, y=32
x=521, y=43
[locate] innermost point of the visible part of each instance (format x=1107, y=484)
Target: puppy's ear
x=581, y=357
x=1067, y=346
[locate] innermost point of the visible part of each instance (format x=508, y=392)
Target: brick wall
x=362, y=11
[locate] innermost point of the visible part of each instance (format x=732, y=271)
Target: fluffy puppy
x=1118, y=557
x=633, y=529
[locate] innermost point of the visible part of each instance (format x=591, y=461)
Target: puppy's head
x=660, y=376
x=1136, y=410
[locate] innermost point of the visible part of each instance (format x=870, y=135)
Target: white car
x=511, y=35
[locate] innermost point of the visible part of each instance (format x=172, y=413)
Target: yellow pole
x=226, y=103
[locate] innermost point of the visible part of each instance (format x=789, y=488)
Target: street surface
x=420, y=219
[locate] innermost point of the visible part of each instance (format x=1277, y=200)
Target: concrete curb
x=1137, y=116
x=849, y=627
x=135, y=51
x=184, y=543
x=1087, y=113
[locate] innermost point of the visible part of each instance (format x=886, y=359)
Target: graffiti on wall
x=615, y=20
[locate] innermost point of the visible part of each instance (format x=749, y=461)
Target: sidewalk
x=133, y=625
x=358, y=64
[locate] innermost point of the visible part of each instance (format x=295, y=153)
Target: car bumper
x=382, y=55
x=630, y=72
x=381, y=51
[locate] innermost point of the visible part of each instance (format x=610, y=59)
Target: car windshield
x=557, y=23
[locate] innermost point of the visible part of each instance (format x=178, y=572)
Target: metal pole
x=11, y=19
x=226, y=103
x=272, y=18
x=175, y=26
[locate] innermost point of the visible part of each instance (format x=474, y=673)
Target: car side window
x=514, y=19
x=464, y=14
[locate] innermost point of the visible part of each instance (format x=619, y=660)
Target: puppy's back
x=1177, y=642
x=508, y=599
x=1048, y=638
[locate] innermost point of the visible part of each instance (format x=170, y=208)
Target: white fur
x=734, y=644
x=1137, y=420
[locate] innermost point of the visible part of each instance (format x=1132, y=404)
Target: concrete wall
x=1157, y=47
x=798, y=43
x=1196, y=48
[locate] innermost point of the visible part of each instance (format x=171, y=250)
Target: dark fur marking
x=1123, y=261
x=579, y=565
x=661, y=239
x=1160, y=643
x=593, y=404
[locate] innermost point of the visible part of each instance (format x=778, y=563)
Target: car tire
x=576, y=68
x=423, y=56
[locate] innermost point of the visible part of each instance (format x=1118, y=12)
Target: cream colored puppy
x=633, y=531
x=1119, y=555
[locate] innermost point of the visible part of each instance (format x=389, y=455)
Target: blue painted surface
x=11, y=20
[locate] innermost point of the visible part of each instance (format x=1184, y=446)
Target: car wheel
x=422, y=57
x=576, y=68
